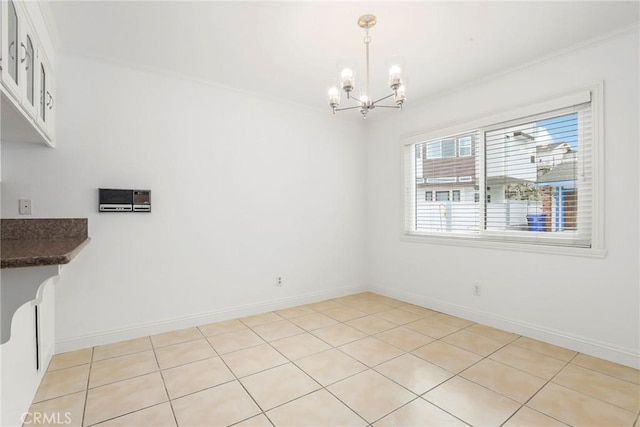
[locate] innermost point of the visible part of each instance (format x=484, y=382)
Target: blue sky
x=562, y=129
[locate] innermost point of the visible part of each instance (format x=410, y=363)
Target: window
x=419, y=150
x=441, y=179
x=464, y=146
x=442, y=196
x=525, y=179
x=441, y=148
x=428, y=196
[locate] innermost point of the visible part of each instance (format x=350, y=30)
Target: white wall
x=243, y=190
x=590, y=305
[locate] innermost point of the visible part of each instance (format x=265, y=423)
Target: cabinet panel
x=28, y=70
x=47, y=101
x=12, y=20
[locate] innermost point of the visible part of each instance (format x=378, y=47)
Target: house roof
x=565, y=171
x=547, y=148
x=504, y=180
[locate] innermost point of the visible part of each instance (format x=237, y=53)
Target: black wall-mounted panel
x=124, y=200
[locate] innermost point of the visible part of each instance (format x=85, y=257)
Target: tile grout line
x=473, y=364
x=125, y=354
x=458, y=374
x=566, y=363
x=488, y=357
x=237, y=379
x=418, y=396
x=322, y=387
x=569, y=362
x=539, y=390
x=86, y=392
x=164, y=383
x=602, y=373
x=135, y=376
x=372, y=368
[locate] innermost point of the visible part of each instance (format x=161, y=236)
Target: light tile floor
x=361, y=360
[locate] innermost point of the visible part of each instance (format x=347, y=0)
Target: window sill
x=504, y=246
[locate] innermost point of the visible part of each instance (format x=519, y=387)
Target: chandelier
x=365, y=102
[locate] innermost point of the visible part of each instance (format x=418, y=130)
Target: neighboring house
x=446, y=183
x=524, y=178
x=559, y=192
x=549, y=155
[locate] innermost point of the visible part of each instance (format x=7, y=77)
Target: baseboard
x=617, y=354
x=152, y=328
x=621, y=355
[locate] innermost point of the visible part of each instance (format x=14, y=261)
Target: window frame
x=534, y=109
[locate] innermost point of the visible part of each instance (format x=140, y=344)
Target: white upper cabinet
x=28, y=103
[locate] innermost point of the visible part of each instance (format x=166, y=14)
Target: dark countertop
x=37, y=242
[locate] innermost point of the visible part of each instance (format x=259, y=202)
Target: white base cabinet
x=25, y=357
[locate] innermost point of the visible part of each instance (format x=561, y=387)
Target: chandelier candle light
x=348, y=83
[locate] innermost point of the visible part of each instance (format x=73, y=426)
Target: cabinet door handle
x=50, y=101
x=26, y=56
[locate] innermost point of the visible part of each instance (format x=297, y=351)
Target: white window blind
x=528, y=180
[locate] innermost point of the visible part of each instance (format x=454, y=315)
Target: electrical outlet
x=477, y=290
x=24, y=206
x=279, y=281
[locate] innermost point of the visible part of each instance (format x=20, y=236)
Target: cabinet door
x=28, y=70
x=51, y=106
x=46, y=105
x=11, y=22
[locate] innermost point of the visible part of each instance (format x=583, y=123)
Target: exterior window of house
x=419, y=160
x=441, y=148
x=428, y=196
x=464, y=146
x=440, y=179
x=531, y=176
x=442, y=196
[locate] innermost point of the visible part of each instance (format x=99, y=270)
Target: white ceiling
x=291, y=50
